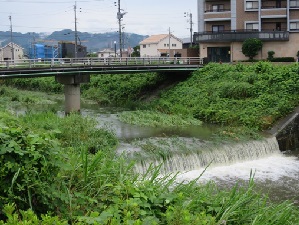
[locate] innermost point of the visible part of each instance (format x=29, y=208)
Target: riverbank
x=82, y=173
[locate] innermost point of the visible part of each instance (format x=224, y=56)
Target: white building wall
x=152, y=50
x=7, y=52
x=149, y=50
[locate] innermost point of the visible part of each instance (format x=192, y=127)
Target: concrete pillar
x=72, y=98
x=72, y=90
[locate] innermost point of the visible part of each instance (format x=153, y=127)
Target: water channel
x=275, y=173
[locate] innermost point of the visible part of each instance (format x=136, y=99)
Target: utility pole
x=169, y=35
x=120, y=15
x=12, y=48
x=76, y=34
x=191, y=27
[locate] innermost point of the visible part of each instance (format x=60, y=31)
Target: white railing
x=111, y=61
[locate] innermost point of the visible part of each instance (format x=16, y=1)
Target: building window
x=252, y=26
x=251, y=5
x=294, y=3
x=218, y=8
x=165, y=45
x=173, y=45
x=217, y=28
x=144, y=46
x=294, y=26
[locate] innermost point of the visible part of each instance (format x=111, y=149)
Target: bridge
x=71, y=72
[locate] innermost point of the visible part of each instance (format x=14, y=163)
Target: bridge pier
x=72, y=93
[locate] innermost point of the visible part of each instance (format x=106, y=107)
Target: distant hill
x=93, y=42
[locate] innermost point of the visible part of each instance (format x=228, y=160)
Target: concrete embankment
x=286, y=132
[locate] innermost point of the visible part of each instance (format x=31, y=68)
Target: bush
x=29, y=167
x=283, y=59
x=271, y=55
x=251, y=46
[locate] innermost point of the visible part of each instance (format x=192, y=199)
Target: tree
x=251, y=46
x=136, y=52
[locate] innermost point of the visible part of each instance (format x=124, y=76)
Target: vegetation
x=136, y=52
x=270, y=55
x=102, y=188
x=52, y=174
x=156, y=119
x=251, y=47
x=253, y=96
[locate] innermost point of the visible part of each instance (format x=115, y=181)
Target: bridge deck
x=53, y=67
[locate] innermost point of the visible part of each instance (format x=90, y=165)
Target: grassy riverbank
x=68, y=169
x=74, y=175
x=252, y=96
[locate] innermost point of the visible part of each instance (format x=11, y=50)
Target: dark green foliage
x=46, y=84
x=283, y=59
x=119, y=88
x=253, y=96
x=271, y=55
x=29, y=165
x=251, y=47
x=136, y=52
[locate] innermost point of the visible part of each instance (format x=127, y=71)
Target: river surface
x=276, y=174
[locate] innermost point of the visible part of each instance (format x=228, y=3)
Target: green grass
x=156, y=119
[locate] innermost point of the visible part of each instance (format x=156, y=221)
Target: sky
x=99, y=16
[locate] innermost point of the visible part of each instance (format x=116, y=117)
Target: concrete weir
x=72, y=92
x=286, y=132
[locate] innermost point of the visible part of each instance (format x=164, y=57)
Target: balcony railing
x=217, y=10
x=241, y=35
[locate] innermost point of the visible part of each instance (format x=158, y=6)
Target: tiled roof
x=154, y=39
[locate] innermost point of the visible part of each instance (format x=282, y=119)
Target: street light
x=114, y=48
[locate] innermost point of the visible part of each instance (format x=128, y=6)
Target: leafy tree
x=251, y=46
x=136, y=52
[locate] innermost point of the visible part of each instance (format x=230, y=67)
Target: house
x=223, y=25
x=11, y=51
x=107, y=52
x=160, y=45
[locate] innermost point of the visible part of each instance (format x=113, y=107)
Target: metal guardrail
x=241, y=35
x=111, y=61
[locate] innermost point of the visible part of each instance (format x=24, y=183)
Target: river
x=275, y=173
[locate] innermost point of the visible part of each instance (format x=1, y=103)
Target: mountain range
x=93, y=42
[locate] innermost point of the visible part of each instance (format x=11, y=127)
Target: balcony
x=240, y=36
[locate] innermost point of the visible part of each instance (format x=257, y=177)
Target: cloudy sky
x=99, y=16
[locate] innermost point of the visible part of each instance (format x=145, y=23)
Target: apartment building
x=223, y=25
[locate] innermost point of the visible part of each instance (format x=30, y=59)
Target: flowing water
x=275, y=173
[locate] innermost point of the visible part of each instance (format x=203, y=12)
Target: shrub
x=283, y=59
x=29, y=166
x=251, y=46
x=271, y=55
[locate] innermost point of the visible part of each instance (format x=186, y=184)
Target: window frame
x=251, y=8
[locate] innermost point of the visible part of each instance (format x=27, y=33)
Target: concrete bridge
x=72, y=72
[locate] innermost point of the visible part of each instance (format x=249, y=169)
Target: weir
x=214, y=154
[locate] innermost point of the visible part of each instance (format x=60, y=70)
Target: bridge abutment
x=72, y=92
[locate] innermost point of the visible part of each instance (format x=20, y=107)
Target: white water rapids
x=275, y=173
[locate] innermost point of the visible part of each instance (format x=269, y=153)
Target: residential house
x=223, y=25
x=107, y=52
x=11, y=51
x=160, y=45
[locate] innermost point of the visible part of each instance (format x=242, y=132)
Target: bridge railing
x=110, y=61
